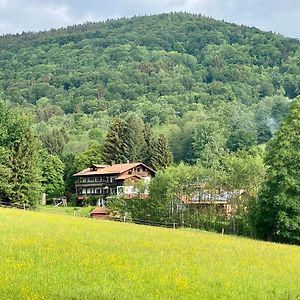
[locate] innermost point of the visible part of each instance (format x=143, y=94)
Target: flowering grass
x=49, y=256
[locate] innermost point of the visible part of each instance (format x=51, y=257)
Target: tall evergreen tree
x=161, y=155
x=135, y=137
x=278, y=211
x=116, y=147
x=148, y=136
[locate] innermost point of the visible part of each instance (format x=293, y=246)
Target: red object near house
x=100, y=213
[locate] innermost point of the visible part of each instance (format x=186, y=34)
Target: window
x=111, y=179
x=83, y=191
x=90, y=190
x=120, y=190
x=139, y=169
x=105, y=190
x=91, y=179
x=98, y=191
x=102, y=202
x=98, y=178
x=84, y=179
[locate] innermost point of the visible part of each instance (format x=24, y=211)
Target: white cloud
x=58, y=12
x=17, y=16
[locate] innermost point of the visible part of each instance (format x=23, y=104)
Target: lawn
x=51, y=256
x=69, y=210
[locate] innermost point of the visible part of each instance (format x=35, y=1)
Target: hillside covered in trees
x=182, y=74
x=171, y=87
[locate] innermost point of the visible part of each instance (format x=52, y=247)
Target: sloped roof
x=101, y=166
x=111, y=169
x=124, y=177
x=100, y=210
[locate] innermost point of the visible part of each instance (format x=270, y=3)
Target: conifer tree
x=161, y=155
x=135, y=138
x=116, y=147
x=148, y=136
x=278, y=212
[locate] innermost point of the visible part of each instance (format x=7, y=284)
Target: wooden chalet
x=103, y=181
x=222, y=200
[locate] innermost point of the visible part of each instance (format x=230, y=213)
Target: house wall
x=101, y=185
x=106, y=185
x=140, y=171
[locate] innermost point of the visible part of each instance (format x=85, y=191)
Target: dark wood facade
x=103, y=181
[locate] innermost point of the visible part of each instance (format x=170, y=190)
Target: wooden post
x=222, y=231
x=174, y=225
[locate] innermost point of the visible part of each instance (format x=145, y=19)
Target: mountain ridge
x=162, y=67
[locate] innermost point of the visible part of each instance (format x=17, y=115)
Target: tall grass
x=45, y=256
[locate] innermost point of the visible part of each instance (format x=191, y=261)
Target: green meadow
x=51, y=256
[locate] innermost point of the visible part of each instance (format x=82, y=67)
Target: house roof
x=100, y=166
x=125, y=177
x=100, y=210
x=111, y=169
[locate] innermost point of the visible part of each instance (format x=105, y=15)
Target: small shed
x=100, y=213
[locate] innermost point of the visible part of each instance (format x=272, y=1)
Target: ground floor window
x=101, y=202
x=98, y=191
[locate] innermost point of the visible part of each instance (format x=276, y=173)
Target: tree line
x=263, y=188
x=268, y=206
x=197, y=75
x=131, y=140
x=167, y=90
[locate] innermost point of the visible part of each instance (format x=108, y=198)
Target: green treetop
x=161, y=156
x=278, y=216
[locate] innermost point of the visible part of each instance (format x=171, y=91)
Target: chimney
x=112, y=162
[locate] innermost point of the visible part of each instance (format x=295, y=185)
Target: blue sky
x=34, y=15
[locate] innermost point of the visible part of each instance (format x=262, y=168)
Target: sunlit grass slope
x=46, y=256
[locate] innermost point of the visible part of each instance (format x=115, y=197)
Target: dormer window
x=93, y=168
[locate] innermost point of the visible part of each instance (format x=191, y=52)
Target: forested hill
x=183, y=74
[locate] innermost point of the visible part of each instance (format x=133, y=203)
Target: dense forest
x=210, y=94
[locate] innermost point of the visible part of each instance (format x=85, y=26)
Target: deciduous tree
x=278, y=210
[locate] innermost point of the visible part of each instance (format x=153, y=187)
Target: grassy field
x=61, y=210
x=50, y=256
